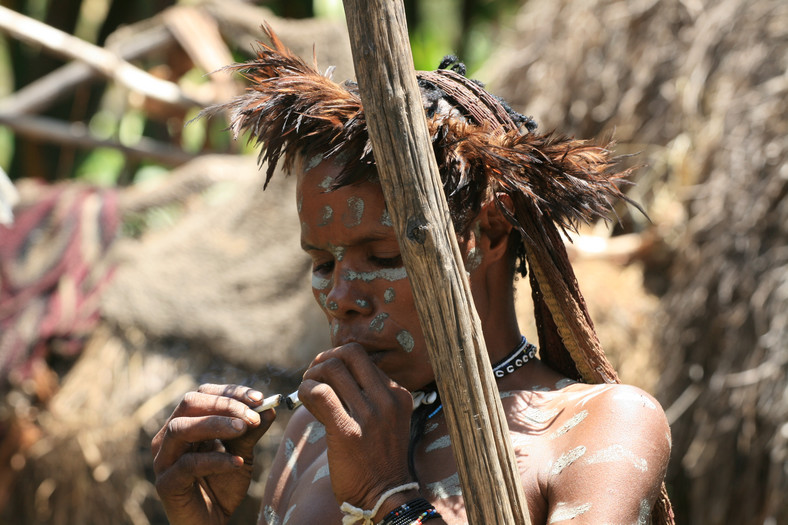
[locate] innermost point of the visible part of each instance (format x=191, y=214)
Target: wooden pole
x=411, y=183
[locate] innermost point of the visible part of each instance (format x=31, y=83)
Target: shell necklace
x=522, y=353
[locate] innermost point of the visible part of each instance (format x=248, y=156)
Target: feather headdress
x=483, y=149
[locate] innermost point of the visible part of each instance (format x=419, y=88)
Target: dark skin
x=586, y=453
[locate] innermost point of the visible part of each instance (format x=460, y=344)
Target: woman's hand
x=203, y=454
x=367, y=420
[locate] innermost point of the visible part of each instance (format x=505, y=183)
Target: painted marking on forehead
x=385, y=219
x=389, y=295
x=270, y=516
x=320, y=283
x=537, y=415
x=563, y=511
x=615, y=453
x=441, y=442
x=377, y=323
x=430, y=427
x=325, y=184
x=446, y=488
x=328, y=216
x=288, y=514
x=355, y=211
x=388, y=274
x=405, y=340
x=567, y=459
x=314, y=431
x=569, y=425
x=313, y=161
x=321, y=473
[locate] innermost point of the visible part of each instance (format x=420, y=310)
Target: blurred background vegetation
x=437, y=27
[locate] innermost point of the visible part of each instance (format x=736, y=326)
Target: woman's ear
x=495, y=227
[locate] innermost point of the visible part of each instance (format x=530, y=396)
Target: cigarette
x=270, y=402
x=274, y=401
x=292, y=401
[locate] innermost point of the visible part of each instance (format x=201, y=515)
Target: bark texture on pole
x=409, y=176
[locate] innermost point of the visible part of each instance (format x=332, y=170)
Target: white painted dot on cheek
x=389, y=295
x=377, y=324
x=320, y=283
x=405, y=340
x=328, y=216
x=321, y=299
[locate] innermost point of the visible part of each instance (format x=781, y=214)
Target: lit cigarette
x=274, y=401
x=292, y=401
x=270, y=402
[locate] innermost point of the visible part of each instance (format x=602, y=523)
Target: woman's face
x=358, y=277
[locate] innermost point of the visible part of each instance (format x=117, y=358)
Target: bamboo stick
x=411, y=184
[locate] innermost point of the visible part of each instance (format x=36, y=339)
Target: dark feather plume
x=291, y=109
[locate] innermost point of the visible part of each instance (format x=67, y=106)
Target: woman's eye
x=388, y=262
x=323, y=268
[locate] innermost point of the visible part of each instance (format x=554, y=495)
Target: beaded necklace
x=522, y=353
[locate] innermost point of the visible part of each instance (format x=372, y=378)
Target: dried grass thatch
x=700, y=88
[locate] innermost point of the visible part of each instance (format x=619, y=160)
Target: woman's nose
x=348, y=297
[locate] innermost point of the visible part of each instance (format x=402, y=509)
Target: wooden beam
x=77, y=134
x=39, y=95
x=105, y=62
x=411, y=183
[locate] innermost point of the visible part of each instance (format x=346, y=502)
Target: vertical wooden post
x=409, y=176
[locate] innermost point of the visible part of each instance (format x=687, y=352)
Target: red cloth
x=53, y=269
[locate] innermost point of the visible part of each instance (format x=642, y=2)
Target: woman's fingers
x=180, y=477
x=212, y=412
